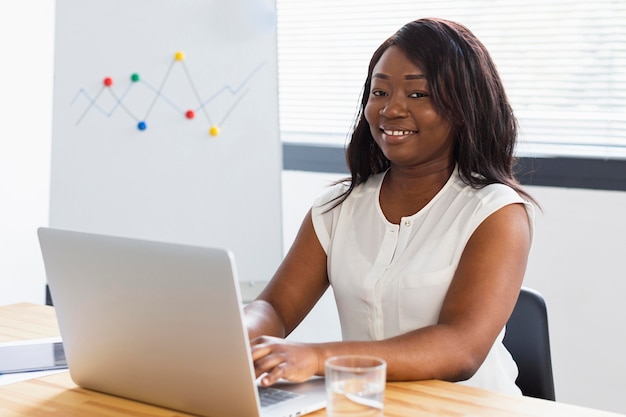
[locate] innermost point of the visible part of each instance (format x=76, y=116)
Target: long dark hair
x=465, y=88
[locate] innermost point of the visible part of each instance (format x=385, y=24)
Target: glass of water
x=355, y=386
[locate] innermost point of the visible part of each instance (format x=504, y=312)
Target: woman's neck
x=405, y=192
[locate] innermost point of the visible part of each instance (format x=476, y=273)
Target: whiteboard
x=165, y=125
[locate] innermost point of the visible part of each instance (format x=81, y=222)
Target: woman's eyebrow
x=406, y=77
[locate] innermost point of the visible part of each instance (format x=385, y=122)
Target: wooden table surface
x=57, y=395
x=27, y=321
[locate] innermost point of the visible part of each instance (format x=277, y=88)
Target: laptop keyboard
x=271, y=396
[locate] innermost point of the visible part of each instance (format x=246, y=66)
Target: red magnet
x=108, y=82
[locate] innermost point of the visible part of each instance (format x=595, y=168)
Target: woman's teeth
x=397, y=132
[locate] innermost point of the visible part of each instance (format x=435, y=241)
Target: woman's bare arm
x=297, y=285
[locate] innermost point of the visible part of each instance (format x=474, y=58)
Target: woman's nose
x=394, y=107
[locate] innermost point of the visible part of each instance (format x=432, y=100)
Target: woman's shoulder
x=338, y=189
x=480, y=201
x=492, y=192
x=331, y=193
x=498, y=190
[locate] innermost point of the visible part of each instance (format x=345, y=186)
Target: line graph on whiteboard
x=108, y=100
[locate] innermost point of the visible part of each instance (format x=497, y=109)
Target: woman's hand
x=278, y=358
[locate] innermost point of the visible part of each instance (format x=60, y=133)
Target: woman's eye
x=418, y=95
x=378, y=93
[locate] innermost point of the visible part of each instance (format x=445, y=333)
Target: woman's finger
x=260, y=351
x=274, y=374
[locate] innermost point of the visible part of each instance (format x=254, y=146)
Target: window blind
x=563, y=64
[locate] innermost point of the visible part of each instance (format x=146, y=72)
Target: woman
x=426, y=245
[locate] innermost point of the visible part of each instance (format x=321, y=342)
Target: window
x=563, y=64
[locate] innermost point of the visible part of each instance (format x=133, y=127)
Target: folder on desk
x=32, y=356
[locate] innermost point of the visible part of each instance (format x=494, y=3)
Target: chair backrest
x=528, y=341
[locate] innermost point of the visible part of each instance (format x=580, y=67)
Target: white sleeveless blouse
x=389, y=279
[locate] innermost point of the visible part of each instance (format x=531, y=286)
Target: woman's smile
x=396, y=135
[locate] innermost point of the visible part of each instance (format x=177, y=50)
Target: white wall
x=25, y=119
x=579, y=264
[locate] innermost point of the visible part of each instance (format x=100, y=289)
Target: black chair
x=48, y=296
x=528, y=341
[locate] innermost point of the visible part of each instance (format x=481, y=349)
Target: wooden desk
x=27, y=321
x=57, y=395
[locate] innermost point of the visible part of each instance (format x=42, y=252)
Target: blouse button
x=407, y=223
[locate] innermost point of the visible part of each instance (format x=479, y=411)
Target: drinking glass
x=355, y=386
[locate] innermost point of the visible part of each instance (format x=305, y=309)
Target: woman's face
x=401, y=114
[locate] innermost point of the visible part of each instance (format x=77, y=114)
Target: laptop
x=160, y=323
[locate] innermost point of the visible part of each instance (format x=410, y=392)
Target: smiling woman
x=426, y=244
x=453, y=100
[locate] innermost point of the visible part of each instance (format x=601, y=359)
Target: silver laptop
x=160, y=323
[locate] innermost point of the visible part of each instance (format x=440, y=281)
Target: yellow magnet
x=214, y=131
